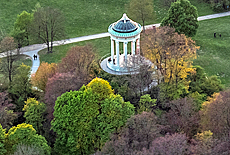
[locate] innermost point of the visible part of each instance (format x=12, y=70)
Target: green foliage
x=198, y=99
x=100, y=87
x=114, y=114
x=183, y=17
x=146, y=103
x=34, y=111
x=25, y=134
x=219, y=5
x=74, y=115
x=84, y=119
x=20, y=88
x=169, y=92
x=21, y=28
x=2, y=140
x=202, y=84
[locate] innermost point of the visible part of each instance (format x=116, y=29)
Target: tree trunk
x=143, y=26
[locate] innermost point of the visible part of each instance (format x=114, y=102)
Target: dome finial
x=124, y=17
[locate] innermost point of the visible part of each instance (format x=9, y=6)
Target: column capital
x=134, y=41
x=126, y=42
x=117, y=41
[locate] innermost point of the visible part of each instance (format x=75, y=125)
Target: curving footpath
x=34, y=49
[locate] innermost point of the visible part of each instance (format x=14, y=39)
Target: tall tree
x=7, y=115
x=20, y=88
x=48, y=25
x=182, y=16
x=182, y=116
x=138, y=133
x=25, y=134
x=21, y=28
x=84, y=119
x=215, y=114
x=45, y=71
x=171, y=53
x=79, y=60
x=7, y=66
x=141, y=10
x=204, y=84
x=56, y=86
x=34, y=111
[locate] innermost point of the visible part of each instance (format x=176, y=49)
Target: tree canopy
x=182, y=16
x=25, y=134
x=34, y=113
x=48, y=24
x=21, y=28
x=84, y=119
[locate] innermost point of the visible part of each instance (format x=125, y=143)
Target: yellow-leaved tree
x=171, y=53
x=45, y=71
x=101, y=87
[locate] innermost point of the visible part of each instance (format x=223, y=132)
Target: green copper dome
x=125, y=27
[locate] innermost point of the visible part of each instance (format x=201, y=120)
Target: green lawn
x=214, y=54
x=84, y=17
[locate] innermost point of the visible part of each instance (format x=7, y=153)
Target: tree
x=45, y=71
x=34, y=111
x=215, y=114
x=2, y=141
x=25, y=134
x=182, y=16
x=101, y=87
x=7, y=66
x=20, y=88
x=114, y=114
x=170, y=144
x=83, y=119
x=182, y=117
x=146, y=103
x=203, y=84
x=142, y=81
x=79, y=59
x=141, y=10
x=56, y=86
x=48, y=25
x=7, y=115
x=171, y=53
x=21, y=28
x=138, y=133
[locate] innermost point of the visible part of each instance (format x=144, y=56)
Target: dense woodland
x=74, y=107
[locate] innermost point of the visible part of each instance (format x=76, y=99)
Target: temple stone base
x=130, y=65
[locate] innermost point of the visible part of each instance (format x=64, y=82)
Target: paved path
x=34, y=49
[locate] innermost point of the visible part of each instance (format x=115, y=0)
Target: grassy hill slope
x=84, y=17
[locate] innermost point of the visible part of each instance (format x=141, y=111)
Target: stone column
x=117, y=52
x=112, y=50
x=138, y=46
x=133, y=49
x=125, y=49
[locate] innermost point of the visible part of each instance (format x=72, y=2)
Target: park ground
x=97, y=15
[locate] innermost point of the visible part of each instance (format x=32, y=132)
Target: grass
x=214, y=55
x=85, y=17
x=102, y=47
